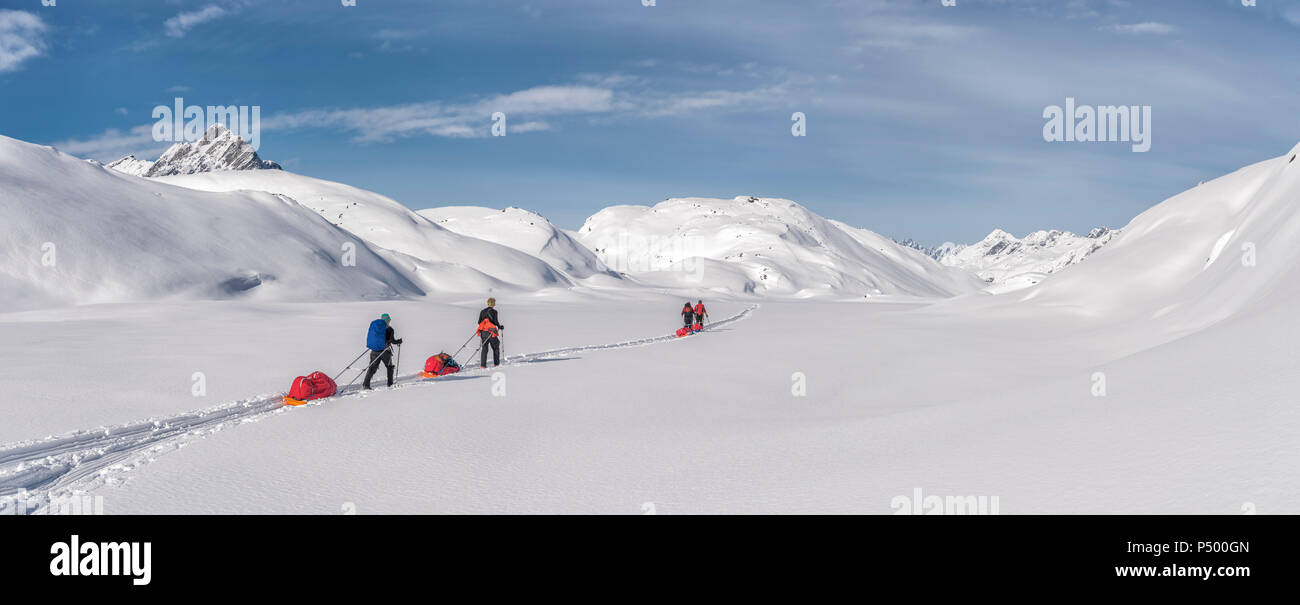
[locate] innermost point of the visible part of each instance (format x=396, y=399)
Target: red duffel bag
x=440, y=365
x=312, y=386
x=683, y=331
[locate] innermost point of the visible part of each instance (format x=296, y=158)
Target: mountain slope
x=130, y=165
x=760, y=246
x=440, y=260
x=1226, y=248
x=527, y=232
x=77, y=233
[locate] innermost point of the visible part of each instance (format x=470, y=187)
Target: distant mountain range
x=745, y=246
x=1010, y=262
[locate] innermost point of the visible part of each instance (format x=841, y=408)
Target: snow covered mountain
x=527, y=232
x=76, y=233
x=130, y=165
x=218, y=150
x=439, y=259
x=1011, y=263
x=751, y=245
x=1228, y=247
x=935, y=252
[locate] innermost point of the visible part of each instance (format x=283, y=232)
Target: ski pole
x=363, y=354
x=397, y=369
x=470, y=359
x=462, y=347
x=373, y=363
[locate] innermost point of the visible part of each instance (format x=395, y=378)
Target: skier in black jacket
x=688, y=314
x=490, y=333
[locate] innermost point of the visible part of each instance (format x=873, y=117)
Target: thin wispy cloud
x=901, y=33
x=548, y=100
x=684, y=104
x=1292, y=15
x=468, y=120
x=181, y=24
x=617, y=97
x=473, y=119
x=398, y=34
x=1146, y=28
x=399, y=40
x=114, y=143
x=22, y=38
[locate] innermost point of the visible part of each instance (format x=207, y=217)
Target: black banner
x=125, y=555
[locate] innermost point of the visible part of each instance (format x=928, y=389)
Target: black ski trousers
x=385, y=356
x=495, y=343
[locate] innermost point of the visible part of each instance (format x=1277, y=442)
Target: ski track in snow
x=46, y=470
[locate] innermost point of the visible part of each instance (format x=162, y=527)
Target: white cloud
x=398, y=34
x=470, y=120
x=1149, y=27
x=181, y=24
x=546, y=100
x=906, y=33
x=1080, y=9
x=467, y=120
x=529, y=127
x=113, y=144
x=689, y=103
x=376, y=123
x=22, y=37
x=523, y=110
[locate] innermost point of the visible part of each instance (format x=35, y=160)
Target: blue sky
x=923, y=121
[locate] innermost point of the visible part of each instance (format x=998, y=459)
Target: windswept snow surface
x=440, y=260
x=895, y=400
x=99, y=457
x=76, y=233
x=761, y=246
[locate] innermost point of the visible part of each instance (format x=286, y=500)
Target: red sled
x=697, y=327
x=312, y=386
x=683, y=331
x=440, y=365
